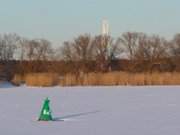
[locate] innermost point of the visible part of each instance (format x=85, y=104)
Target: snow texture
x=91, y=110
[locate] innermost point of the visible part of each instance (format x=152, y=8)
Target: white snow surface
x=150, y=110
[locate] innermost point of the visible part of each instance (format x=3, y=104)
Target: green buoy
x=45, y=112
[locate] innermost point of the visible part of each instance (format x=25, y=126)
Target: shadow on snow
x=73, y=115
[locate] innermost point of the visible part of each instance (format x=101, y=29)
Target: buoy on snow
x=45, y=114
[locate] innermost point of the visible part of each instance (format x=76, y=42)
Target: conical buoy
x=45, y=112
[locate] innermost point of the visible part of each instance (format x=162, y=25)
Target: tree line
x=91, y=53
x=85, y=47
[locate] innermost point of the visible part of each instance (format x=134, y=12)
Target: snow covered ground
x=91, y=110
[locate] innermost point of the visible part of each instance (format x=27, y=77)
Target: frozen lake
x=91, y=110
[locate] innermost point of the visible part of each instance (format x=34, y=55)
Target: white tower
x=105, y=34
x=105, y=28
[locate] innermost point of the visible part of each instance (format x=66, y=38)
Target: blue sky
x=59, y=20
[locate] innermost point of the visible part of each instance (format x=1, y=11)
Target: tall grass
x=95, y=79
x=122, y=78
x=37, y=79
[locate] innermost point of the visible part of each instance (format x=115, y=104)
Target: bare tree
x=65, y=52
x=78, y=50
x=130, y=42
x=101, y=45
x=143, y=48
x=21, y=51
x=39, y=50
x=45, y=50
x=151, y=48
x=30, y=50
x=175, y=46
x=8, y=44
x=158, y=48
x=83, y=47
x=105, y=50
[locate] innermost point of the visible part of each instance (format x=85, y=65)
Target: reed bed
x=97, y=79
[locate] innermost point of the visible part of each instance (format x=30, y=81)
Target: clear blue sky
x=59, y=20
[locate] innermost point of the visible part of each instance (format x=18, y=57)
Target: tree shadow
x=74, y=115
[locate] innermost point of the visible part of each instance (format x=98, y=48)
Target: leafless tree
x=66, y=51
x=45, y=50
x=175, y=46
x=101, y=44
x=130, y=42
x=21, y=49
x=151, y=48
x=39, y=50
x=83, y=47
x=105, y=50
x=80, y=49
x=8, y=44
x=158, y=47
x=30, y=50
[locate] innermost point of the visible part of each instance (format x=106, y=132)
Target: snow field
x=91, y=110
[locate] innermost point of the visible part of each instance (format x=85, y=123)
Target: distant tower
x=105, y=35
x=105, y=28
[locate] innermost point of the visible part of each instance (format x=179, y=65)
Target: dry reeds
x=37, y=79
x=96, y=79
x=122, y=78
